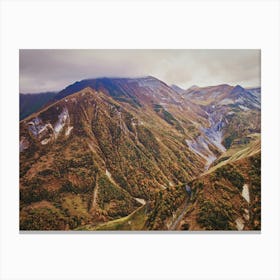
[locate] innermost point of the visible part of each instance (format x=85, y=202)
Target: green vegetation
x=241, y=124
x=218, y=197
x=241, y=148
x=35, y=192
x=135, y=221
x=113, y=200
x=168, y=117
x=214, y=216
x=165, y=204
x=228, y=140
x=45, y=218
x=230, y=173
x=255, y=179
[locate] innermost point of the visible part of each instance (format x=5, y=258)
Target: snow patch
x=108, y=174
x=246, y=215
x=239, y=224
x=45, y=141
x=62, y=118
x=140, y=200
x=68, y=130
x=45, y=132
x=35, y=126
x=245, y=193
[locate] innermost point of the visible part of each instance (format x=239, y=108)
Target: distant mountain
x=32, y=102
x=224, y=95
x=178, y=89
x=226, y=108
x=122, y=153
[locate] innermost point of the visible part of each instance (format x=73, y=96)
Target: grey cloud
x=44, y=70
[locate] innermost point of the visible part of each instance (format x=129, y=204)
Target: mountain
x=119, y=153
x=233, y=112
x=90, y=145
x=237, y=186
x=32, y=102
x=137, y=92
x=224, y=95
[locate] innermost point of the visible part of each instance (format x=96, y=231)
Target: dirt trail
x=95, y=192
x=140, y=200
x=108, y=174
x=179, y=218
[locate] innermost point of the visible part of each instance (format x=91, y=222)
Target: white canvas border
x=158, y=24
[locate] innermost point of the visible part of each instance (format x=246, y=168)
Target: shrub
x=230, y=173
x=213, y=217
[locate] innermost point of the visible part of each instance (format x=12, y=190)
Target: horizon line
x=136, y=77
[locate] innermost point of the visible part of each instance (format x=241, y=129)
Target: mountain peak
x=237, y=89
x=193, y=87
x=178, y=89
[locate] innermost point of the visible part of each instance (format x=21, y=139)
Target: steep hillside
x=228, y=198
x=143, y=95
x=89, y=153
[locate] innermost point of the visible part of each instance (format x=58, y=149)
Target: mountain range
x=138, y=154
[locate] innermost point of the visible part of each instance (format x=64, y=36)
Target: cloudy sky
x=52, y=70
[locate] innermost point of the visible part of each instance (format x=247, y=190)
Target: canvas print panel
x=140, y=140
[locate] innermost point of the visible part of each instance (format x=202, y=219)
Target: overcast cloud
x=53, y=70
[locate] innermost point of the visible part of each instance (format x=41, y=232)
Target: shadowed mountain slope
x=32, y=102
